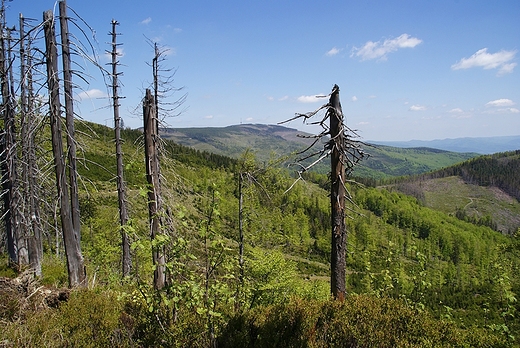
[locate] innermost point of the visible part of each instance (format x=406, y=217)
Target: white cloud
x=417, y=108
x=509, y=110
x=456, y=111
x=354, y=98
x=500, y=60
x=285, y=97
x=379, y=50
x=146, y=21
x=92, y=94
x=309, y=99
x=249, y=119
x=500, y=102
x=333, y=51
x=209, y=117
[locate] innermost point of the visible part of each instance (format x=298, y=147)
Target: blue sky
x=406, y=69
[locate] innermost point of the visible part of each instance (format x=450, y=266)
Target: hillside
x=484, y=190
x=419, y=274
x=269, y=141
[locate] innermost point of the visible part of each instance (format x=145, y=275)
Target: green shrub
x=88, y=319
x=54, y=271
x=361, y=321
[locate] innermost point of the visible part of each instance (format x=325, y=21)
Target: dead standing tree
x=69, y=119
x=345, y=154
x=121, y=186
x=151, y=144
x=75, y=266
x=28, y=125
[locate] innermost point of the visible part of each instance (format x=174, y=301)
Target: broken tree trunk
x=151, y=144
x=69, y=120
x=75, y=266
x=337, y=196
x=121, y=186
x=15, y=240
x=31, y=211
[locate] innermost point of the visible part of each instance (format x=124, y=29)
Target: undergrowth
x=105, y=318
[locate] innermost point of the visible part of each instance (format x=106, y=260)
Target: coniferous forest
x=217, y=251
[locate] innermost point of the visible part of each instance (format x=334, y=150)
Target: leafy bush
x=88, y=319
x=361, y=321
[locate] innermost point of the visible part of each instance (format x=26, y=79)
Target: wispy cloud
x=500, y=103
x=500, y=60
x=417, y=108
x=354, y=98
x=333, y=51
x=146, y=21
x=380, y=49
x=456, y=111
x=309, y=99
x=92, y=94
x=459, y=113
x=208, y=117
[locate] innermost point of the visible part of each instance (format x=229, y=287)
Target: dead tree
x=15, y=239
x=75, y=265
x=162, y=86
x=31, y=213
x=151, y=144
x=345, y=153
x=121, y=185
x=69, y=119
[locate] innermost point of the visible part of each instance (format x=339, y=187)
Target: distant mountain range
x=483, y=145
x=274, y=141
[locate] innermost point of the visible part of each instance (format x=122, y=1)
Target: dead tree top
x=350, y=147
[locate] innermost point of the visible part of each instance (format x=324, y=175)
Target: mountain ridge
x=281, y=141
x=481, y=145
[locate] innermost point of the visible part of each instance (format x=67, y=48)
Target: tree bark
x=151, y=143
x=337, y=197
x=31, y=211
x=69, y=119
x=75, y=266
x=121, y=185
x=16, y=243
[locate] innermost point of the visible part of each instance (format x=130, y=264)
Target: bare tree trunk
x=16, y=243
x=240, y=239
x=151, y=143
x=75, y=266
x=69, y=119
x=337, y=197
x=121, y=186
x=155, y=68
x=31, y=211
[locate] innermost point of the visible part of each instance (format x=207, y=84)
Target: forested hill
x=501, y=170
x=268, y=141
x=483, y=190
